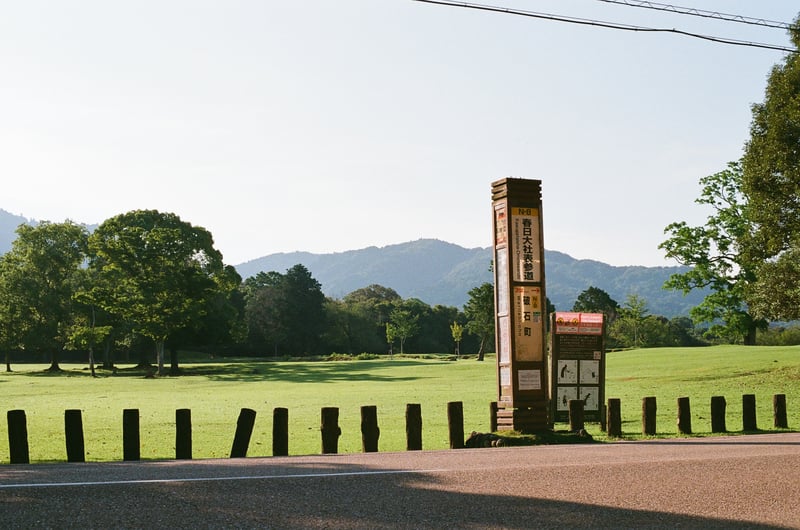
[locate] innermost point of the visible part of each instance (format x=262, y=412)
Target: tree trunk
x=107, y=364
x=8, y=361
x=750, y=337
x=480, y=349
x=91, y=361
x=174, y=369
x=160, y=356
x=54, y=367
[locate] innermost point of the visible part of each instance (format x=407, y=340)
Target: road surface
x=716, y=482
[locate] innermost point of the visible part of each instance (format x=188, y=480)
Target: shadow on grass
x=300, y=372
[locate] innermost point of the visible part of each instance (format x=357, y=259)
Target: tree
x=40, y=275
x=404, y=323
x=628, y=328
x=479, y=311
x=714, y=253
x=457, y=330
x=771, y=181
x=158, y=272
x=286, y=310
x=595, y=300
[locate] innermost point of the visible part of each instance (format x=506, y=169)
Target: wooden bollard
x=779, y=411
x=18, y=437
x=73, y=431
x=130, y=435
x=244, y=430
x=718, y=406
x=684, y=416
x=369, y=428
x=183, y=434
x=280, y=432
x=329, y=427
x=649, y=416
x=749, y=422
x=413, y=427
x=455, y=424
x=493, y=416
x=575, y=415
x=614, y=420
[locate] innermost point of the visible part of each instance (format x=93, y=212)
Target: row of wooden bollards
x=329, y=429
x=613, y=418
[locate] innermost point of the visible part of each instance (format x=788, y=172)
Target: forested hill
x=437, y=272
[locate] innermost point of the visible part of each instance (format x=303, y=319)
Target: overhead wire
x=609, y=25
x=702, y=13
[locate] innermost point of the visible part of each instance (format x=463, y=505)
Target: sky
x=327, y=126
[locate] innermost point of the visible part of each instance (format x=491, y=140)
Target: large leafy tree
x=479, y=311
x=158, y=272
x=39, y=277
x=771, y=181
x=596, y=300
x=286, y=311
x=714, y=253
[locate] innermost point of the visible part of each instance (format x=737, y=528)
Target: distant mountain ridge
x=438, y=272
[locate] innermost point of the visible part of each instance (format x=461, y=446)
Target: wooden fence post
x=369, y=428
x=455, y=424
x=614, y=421
x=493, y=416
x=575, y=415
x=749, y=413
x=413, y=427
x=18, y=437
x=684, y=416
x=329, y=427
x=649, y=416
x=244, y=430
x=779, y=411
x=73, y=431
x=280, y=432
x=183, y=434
x=718, y=406
x=130, y=435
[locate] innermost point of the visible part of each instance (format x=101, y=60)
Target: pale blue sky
x=328, y=125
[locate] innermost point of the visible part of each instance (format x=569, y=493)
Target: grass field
x=216, y=391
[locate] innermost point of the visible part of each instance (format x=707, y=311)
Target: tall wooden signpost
x=520, y=305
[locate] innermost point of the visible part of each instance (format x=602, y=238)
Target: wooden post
x=575, y=415
x=614, y=421
x=455, y=424
x=329, y=427
x=493, y=416
x=413, y=427
x=130, y=435
x=73, y=431
x=749, y=413
x=183, y=434
x=369, y=428
x=684, y=416
x=718, y=406
x=18, y=437
x=649, y=416
x=779, y=411
x=244, y=430
x=280, y=432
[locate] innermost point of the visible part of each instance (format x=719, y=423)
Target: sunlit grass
x=216, y=392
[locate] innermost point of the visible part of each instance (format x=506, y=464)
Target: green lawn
x=217, y=391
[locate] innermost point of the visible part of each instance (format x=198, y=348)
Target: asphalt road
x=726, y=482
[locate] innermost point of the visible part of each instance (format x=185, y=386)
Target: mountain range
x=438, y=272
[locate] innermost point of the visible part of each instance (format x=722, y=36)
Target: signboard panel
x=527, y=261
x=578, y=364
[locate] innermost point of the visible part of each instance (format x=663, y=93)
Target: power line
x=608, y=25
x=702, y=13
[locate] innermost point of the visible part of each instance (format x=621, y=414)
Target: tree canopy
x=771, y=181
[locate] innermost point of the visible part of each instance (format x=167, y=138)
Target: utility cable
x=702, y=13
x=609, y=25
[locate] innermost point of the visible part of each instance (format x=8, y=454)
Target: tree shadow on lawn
x=305, y=372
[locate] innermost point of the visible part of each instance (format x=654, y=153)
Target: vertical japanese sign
x=520, y=305
x=527, y=254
